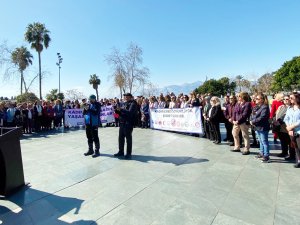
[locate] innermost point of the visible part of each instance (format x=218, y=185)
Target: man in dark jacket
x=91, y=113
x=127, y=116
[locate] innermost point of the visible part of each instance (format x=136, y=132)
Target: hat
x=92, y=97
x=127, y=94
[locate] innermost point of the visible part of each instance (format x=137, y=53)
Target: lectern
x=11, y=166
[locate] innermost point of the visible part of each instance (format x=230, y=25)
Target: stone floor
x=171, y=179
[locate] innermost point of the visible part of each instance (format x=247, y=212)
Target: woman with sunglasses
x=260, y=121
x=292, y=120
x=283, y=135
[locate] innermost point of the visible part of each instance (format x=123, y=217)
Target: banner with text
x=186, y=120
x=74, y=117
x=107, y=114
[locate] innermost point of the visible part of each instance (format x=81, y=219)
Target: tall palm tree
x=95, y=81
x=22, y=58
x=38, y=36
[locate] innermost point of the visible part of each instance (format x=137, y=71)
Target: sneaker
x=259, y=156
x=265, y=159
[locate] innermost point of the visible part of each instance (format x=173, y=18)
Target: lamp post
x=60, y=59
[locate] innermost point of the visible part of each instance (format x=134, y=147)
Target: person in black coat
x=127, y=118
x=215, y=117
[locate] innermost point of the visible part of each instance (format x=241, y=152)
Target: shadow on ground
x=30, y=200
x=176, y=160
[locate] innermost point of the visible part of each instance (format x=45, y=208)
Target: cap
x=92, y=97
x=127, y=94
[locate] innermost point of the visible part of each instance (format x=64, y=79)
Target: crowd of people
x=242, y=115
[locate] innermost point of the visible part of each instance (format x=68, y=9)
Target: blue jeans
x=264, y=142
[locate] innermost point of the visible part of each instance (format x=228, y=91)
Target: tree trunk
x=40, y=75
x=97, y=94
x=21, y=82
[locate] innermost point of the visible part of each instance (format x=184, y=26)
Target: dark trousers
x=206, y=129
x=228, y=127
x=92, y=136
x=216, y=131
x=125, y=131
x=297, y=149
x=253, y=133
x=285, y=142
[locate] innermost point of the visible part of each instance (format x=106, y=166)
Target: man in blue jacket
x=91, y=114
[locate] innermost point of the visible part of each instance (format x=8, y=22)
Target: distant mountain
x=183, y=88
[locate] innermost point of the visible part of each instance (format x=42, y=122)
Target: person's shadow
x=30, y=206
x=176, y=160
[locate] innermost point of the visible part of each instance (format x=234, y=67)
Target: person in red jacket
x=278, y=101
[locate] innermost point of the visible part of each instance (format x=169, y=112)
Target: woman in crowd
x=280, y=127
x=38, y=115
x=229, y=114
x=206, y=123
x=153, y=103
x=145, y=113
x=253, y=133
x=58, y=113
x=167, y=100
x=275, y=105
x=240, y=122
x=292, y=120
x=194, y=102
x=161, y=102
x=260, y=122
x=173, y=104
x=215, y=115
x=184, y=101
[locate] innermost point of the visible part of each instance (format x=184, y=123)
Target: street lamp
x=60, y=59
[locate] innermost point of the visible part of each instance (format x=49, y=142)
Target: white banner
x=186, y=120
x=107, y=114
x=74, y=117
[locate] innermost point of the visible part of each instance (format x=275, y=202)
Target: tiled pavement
x=171, y=179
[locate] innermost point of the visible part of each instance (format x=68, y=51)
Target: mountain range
x=185, y=88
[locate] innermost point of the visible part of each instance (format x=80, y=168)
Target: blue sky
x=183, y=41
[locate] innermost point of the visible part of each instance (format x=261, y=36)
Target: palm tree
x=38, y=36
x=95, y=81
x=21, y=57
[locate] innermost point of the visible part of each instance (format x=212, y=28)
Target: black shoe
x=235, y=150
x=246, y=153
x=297, y=165
x=225, y=139
x=290, y=158
x=119, y=154
x=284, y=155
x=89, y=152
x=217, y=142
x=96, y=154
x=127, y=157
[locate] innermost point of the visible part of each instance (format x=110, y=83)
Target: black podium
x=11, y=166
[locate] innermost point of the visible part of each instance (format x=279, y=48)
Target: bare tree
x=74, y=94
x=264, y=83
x=128, y=68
